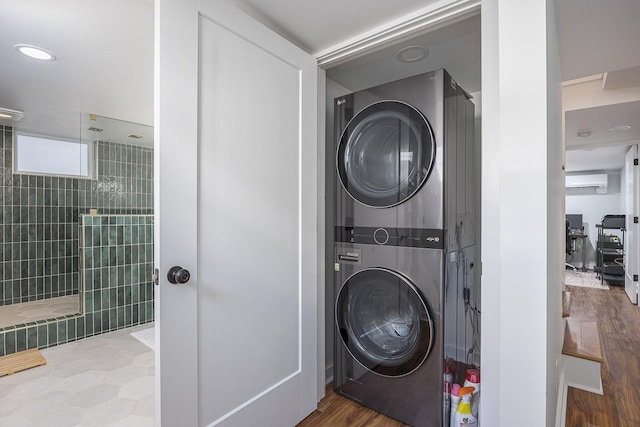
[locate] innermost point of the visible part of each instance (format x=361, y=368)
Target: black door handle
x=178, y=275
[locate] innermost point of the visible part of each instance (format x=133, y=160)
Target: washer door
x=385, y=154
x=384, y=322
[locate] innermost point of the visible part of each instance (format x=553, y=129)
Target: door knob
x=178, y=275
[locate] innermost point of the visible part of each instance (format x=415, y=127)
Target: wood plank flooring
x=338, y=411
x=619, y=326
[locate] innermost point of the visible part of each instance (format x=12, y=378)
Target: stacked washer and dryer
x=404, y=243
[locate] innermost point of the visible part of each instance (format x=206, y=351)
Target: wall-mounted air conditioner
x=597, y=181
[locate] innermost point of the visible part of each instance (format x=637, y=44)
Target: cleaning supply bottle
x=473, y=380
x=463, y=416
x=455, y=401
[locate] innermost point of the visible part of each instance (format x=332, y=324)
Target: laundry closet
x=402, y=294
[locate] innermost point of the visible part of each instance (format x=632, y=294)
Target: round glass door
x=385, y=154
x=384, y=322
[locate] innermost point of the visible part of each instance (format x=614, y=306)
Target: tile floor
x=25, y=312
x=106, y=380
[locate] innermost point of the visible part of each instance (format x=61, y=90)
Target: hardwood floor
x=619, y=325
x=337, y=411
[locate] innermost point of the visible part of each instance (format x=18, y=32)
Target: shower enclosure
x=77, y=243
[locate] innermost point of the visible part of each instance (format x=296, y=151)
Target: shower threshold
x=33, y=311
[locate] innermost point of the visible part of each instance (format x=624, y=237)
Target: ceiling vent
x=598, y=181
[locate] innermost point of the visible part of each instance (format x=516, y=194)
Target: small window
x=49, y=156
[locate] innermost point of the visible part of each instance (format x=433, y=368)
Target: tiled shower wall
x=116, y=263
x=39, y=216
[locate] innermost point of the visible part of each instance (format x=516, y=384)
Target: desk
x=583, y=247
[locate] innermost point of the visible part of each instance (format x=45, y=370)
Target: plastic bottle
x=455, y=401
x=463, y=416
x=473, y=380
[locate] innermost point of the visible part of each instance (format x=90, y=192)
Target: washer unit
x=404, y=242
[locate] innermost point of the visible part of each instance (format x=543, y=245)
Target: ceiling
x=603, y=126
x=104, y=52
x=455, y=48
x=104, y=64
x=600, y=159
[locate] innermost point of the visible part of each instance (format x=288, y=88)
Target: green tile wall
x=39, y=217
x=116, y=264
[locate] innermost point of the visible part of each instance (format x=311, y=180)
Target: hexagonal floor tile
x=135, y=421
x=146, y=406
x=137, y=389
x=94, y=395
x=145, y=359
x=125, y=374
x=83, y=381
x=108, y=413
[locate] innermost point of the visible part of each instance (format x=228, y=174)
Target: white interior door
x=236, y=126
x=631, y=240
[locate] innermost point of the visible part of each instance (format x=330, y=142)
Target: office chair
x=568, y=245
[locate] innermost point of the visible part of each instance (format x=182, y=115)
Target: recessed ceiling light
x=584, y=134
x=13, y=115
x=412, y=54
x=95, y=129
x=619, y=128
x=35, y=52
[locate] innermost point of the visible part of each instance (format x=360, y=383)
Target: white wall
x=522, y=183
x=593, y=207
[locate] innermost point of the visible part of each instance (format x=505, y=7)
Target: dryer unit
x=404, y=243
x=405, y=161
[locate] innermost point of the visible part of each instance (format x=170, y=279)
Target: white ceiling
x=455, y=48
x=105, y=51
x=600, y=37
x=316, y=26
x=104, y=63
x=593, y=125
x=601, y=159
x=597, y=36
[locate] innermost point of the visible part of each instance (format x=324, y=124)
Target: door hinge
x=635, y=219
x=635, y=162
x=156, y=277
x=635, y=277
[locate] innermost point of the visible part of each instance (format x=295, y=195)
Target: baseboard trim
x=328, y=374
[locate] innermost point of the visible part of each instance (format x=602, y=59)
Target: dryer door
x=384, y=322
x=385, y=154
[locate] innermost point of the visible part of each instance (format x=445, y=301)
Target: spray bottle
x=463, y=416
